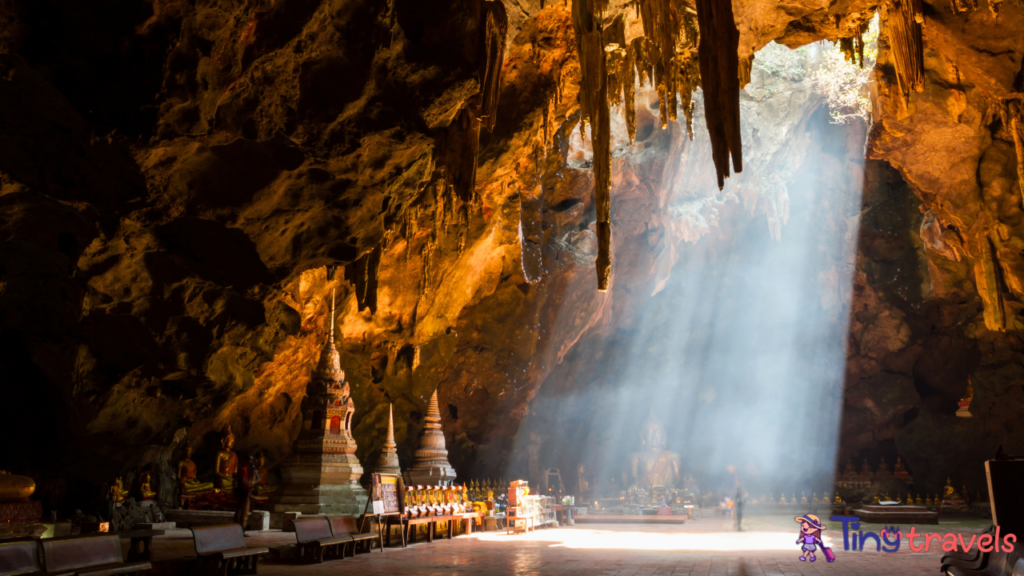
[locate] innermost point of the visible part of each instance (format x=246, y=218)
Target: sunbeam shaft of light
x=741, y=350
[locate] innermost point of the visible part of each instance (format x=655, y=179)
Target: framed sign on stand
x=386, y=504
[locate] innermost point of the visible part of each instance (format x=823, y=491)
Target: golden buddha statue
x=918, y=500
x=838, y=500
x=949, y=492
x=226, y=464
x=814, y=498
x=883, y=468
x=899, y=470
x=262, y=489
x=849, y=471
x=187, y=483
x=653, y=466
x=782, y=499
x=803, y=497
x=117, y=491
x=15, y=488
x=146, y=486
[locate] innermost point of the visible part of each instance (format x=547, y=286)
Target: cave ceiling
x=183, y=184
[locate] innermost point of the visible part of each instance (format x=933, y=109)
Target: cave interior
x=748, y=250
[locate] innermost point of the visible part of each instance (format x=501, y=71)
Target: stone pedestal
x=288, y=522
x=320, y=484
x=258, y=521
x=435, y=476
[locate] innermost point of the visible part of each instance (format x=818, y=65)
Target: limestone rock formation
x=182, y=184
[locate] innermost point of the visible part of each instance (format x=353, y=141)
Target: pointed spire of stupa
x=329, y=367
x=388, y=461
x=391, y=427
x=433, y=418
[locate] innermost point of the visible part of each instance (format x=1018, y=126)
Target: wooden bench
x=316, y=541
x=19, y=557
x=221, y=550
x=90, y=555
x=342, y=526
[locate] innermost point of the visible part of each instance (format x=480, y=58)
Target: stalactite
x=987, y=281
x=594, y=107
x=621, y=72
x=719, y=72
x=1013, y=118
x=661, y=24
x=902, y=23
x=960, y=6
x=363, y=273
x=495, y=30
x=689, y=72
x=744, y=73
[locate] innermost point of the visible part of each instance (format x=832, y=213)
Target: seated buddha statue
x=117, y=491
x=262, y=489
x=849, y=472
x=188, y=485
x=865, y=469
x=146, y=486
x=950, y=499
x=883, y=469
x=899, y=470
x=653, y=465
x=226, y=463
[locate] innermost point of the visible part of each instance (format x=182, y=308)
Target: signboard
x=386, y=493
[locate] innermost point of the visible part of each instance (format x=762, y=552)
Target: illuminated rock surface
x=182, y=185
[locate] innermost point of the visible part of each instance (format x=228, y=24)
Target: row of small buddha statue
x=480, y=489
x=436, y=501
x=793, y=500
x=118, y=493
x=882, y=472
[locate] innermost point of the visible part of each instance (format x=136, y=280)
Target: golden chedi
x=653, y=466
x=430, y=460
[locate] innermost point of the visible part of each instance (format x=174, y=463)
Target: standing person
x=739, y=509
x=248, y=478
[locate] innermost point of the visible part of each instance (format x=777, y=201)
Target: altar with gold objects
x=19, y=515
